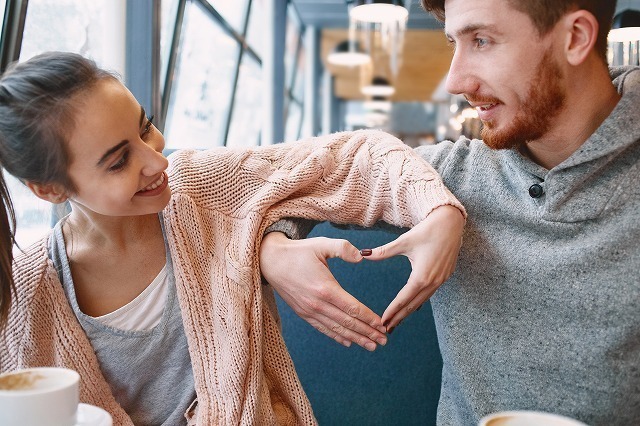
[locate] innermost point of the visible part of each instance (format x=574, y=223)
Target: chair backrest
x=398, y=384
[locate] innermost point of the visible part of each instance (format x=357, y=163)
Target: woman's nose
x=153, y=160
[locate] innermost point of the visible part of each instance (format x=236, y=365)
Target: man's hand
x=432, y=247
x=299, y=272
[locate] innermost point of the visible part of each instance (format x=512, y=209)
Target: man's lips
x=485, y=109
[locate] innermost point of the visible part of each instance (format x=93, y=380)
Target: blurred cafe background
x=243, y=73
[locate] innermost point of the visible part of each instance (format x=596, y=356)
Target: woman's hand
x=432, y=247
x=298, y=271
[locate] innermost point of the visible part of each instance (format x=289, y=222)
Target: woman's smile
x=156, y=187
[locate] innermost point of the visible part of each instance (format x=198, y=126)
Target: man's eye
x=481, y=42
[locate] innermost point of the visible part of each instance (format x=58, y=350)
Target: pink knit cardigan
x=222, y=201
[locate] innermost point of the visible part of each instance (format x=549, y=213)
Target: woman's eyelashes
x=121, y=163
x=149, y=126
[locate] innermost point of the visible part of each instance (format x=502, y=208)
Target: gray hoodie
x=543, y=311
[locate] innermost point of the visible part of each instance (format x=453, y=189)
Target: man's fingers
x=405, y=303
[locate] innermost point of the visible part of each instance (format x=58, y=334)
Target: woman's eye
x=149, y=126
x=121, y=163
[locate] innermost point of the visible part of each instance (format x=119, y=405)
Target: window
x=247, y=110
x=92, y=28
x=201, y=94
x=294, y=80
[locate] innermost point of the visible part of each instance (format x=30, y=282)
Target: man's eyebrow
x=471, y=28
x=111, y=151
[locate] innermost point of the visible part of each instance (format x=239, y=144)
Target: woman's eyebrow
x=111, y=151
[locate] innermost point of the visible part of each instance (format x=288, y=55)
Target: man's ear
x=581, y=35
x=52, y=192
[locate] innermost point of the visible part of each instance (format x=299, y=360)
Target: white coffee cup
x=39, y=396
x=527, y=418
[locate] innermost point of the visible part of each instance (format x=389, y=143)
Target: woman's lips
x=156, y=187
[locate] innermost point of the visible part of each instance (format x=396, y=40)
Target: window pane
x=255, y=29
x=290, y=52
x=233, y=11
x=298, y=88
x=247, y=110
x=201, y=93
x=33, y=215
x=294, y=116
x=95, y=29
x=3, y=4
x=168, y=17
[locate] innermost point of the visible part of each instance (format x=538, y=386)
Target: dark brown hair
x=546, y=13
x=7, y=229
x=36, y=116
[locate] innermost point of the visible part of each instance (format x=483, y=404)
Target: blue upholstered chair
x=398, y=384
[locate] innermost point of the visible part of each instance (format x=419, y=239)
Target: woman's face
x=116, y=160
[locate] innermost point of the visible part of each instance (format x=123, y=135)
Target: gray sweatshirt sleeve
x=293, y=228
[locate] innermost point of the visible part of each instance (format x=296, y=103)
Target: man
x=543, y=310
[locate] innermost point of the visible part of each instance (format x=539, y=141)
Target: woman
x=150, y=287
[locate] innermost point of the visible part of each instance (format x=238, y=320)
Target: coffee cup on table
x=527, y=418
x=39, y=396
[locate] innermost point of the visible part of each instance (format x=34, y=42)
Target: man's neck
x=585, y=110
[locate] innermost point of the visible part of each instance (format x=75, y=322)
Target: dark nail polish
x=390, y=330
x=366, y=252
x=385, y=324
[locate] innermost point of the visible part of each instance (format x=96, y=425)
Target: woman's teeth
x=155, y=184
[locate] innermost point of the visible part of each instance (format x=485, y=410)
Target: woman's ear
x=581, y=35
x=52, y=192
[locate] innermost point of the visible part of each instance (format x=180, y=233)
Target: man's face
x=504, y=69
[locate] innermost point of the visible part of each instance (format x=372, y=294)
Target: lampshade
x=626, y=26
x=379, y=86
x=379, y=11
x=348, y=54
x=378, y=104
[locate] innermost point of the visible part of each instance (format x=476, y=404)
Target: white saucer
x=90, y=415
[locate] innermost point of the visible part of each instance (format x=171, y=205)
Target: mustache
x=480, y=99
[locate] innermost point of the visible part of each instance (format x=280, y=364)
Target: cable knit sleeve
x=351, y=177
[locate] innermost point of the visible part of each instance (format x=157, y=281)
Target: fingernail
x=389, y=331
x=366, y=252
x=370, y=346
x=382, y=329
x=385, y=324
x=382, y=341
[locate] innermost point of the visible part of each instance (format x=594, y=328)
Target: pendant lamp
x=348, y=54
x=379, y=86
x=378, y=11
x=626, y=26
